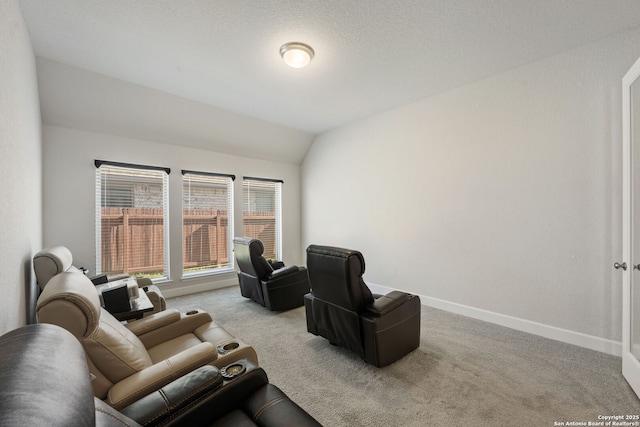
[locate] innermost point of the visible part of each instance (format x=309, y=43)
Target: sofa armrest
x=175, y=396
x=150, y=379
x=386, y=303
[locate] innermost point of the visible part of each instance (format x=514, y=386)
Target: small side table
x=139, y=306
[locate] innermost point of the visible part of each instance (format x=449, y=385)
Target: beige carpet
x=465, y=372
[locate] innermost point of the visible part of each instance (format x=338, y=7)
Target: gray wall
x=500, y=200
x=20, y=168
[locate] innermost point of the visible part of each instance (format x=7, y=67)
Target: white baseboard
x=552, y=332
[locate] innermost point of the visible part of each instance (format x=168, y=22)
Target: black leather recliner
x=277, y=289
x=342, y=309
x=46, y=382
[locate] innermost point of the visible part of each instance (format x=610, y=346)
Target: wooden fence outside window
x=133, y=239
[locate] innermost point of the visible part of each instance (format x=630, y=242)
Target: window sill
x=216, y=272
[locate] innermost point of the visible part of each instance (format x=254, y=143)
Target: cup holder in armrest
x=233, y=370
x=192, y=312
x=228, y=347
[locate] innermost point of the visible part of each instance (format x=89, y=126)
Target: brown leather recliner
x=60, y=394
x=129, y=361
x=57, y=259
x=279, y=289
x=342, y=309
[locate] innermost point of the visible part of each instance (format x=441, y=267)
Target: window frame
x=135, y=175
x=276, y=185
x=230, y=266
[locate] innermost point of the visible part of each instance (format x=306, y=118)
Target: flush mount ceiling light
x=296, y=55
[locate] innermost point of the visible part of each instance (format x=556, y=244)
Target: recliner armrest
x=144, y=281
x=248, y=392
x=175, y=396
x=155, y=321
x=388, y=302
x=269, y=406
x=107, y=416
x=154, y=377
x=276, y=265
x=230, y=396
x=285, y=271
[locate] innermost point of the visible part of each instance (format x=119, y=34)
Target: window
x=207, y=208
x=131, y=220
x=261, y=214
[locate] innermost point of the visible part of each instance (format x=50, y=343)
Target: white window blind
x=261, y=214
x=132, y=220
x=207, y=222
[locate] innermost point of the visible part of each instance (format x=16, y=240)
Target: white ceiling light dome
x=296, y=55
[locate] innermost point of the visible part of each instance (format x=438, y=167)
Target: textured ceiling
x=371, y=56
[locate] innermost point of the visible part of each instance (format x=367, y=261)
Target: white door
x=630, y=265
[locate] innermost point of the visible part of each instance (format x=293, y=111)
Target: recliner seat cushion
x=169, y=348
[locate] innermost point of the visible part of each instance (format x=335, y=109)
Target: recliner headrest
x=339, y=253
x=256, y=247
x=248, y=253
x=70, y=300
x=49, y=262
x=335, y=275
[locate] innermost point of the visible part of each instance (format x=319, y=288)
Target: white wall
x=69, y=193
x=500, y=200
x=20, y=168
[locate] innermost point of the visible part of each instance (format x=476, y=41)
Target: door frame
x=630, y=364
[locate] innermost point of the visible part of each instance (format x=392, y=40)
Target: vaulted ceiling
x=371, y=56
